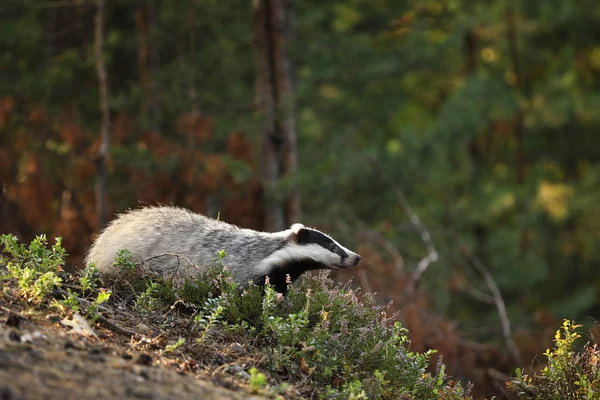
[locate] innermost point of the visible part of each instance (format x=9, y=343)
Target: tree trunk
x=513, y=50
x=148, y=64
x=275, y=100
x=101, y=181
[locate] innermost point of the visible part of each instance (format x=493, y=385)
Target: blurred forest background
x=453, y=143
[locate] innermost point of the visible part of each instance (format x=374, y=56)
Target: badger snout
x=351, y=261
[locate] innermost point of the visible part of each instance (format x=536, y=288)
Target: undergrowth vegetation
x=322, y=340
x=570, y=373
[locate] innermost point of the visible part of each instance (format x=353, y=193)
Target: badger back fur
x=167, y=239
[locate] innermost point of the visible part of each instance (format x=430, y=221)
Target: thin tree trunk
x=513, y=49
x=145, y=19
x=101, y=182
x=154, y=61
x=274, y=93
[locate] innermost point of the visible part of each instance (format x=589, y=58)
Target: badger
x=167, y=239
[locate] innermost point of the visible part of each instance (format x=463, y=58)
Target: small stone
x=53, y=317
x=144, y=329
x=239, y=372
x=37, y=354
x=38, y=335
x=27, y=338
x=237, y=348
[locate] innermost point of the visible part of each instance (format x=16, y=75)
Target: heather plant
x=347, y=344
x=326, y=333
x=209, y=316
x=147, y=300
x=329, y=338
x=569, y=374
x=339, y=340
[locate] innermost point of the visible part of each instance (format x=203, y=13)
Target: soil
x=42, y=358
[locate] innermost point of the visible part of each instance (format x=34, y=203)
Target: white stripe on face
x=295, y=252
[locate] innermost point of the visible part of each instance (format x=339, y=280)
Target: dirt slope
x=40, y=358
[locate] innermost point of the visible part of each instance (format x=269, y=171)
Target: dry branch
x=432, y=254
x=500, y=305
x=116, y=328
x=498, y=300
x=377, y=238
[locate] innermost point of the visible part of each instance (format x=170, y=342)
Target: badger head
x=314, y=245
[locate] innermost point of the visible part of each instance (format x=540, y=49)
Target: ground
x=42, y=358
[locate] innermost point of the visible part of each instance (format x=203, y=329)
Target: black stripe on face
x=311, y=236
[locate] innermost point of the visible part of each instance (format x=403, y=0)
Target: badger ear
x=296, y=229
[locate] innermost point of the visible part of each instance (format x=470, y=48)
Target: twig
x=83, y=301
x=378, y=238
x=500, y=305
x=8, y=311
x=172, y=307
x=101, y=319
x=179, y=257
x=116, y=328
x=175, y=275
x=432, y=254
x=477, y=294
x=498, y=301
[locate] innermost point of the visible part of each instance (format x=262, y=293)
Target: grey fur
x=250, y=255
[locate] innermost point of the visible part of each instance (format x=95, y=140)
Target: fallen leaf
x=79, y=325
x=305, y=368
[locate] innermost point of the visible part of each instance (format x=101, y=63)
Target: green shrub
x=34, y=267
x=343, y=343
x=570, y=374
x=326, y=337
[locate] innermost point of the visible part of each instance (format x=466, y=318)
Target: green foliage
x=70, y=302
x=491, y=136
x=327, y=333
x=258, y=381
x=432, y=95
x=34, y=267
x=208, y=316
x=174, y=346
x=148, y=299
x=92, y=309
x=570, y=374
x=89, y=279
x=124, y=261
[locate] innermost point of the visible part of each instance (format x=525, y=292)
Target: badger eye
x=332, y=247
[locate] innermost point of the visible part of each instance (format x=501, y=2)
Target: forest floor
x=44, y=356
